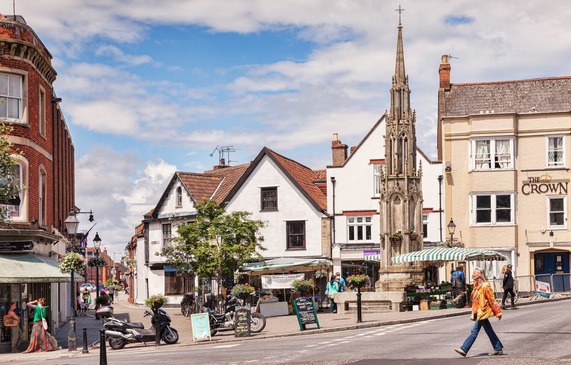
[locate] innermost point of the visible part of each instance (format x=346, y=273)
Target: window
x=175, y=284
x=377, y=180
x=269, y=199
x=555, y=152
x=42, y=113
x=179, y=196
x=493, y=209
x=557, y=212
x=13, y=207
x=359, y=228
x=42, y=199
x=425, y=225
x=492, y=154
x=167, y=234
x=295, y=235
x=11, y=94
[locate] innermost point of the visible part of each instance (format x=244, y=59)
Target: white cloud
x=119, y=55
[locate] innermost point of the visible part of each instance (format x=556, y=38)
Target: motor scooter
x=105, y=311
x=226, y=321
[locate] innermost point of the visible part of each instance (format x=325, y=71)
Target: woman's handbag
x=45, y=324
x=10, y=321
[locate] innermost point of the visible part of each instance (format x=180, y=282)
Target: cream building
x=506, y=149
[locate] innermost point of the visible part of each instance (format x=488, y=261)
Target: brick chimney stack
x=444, y=72
x=338, y=151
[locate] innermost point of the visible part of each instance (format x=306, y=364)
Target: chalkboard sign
x=243, y=322
x=305, y=312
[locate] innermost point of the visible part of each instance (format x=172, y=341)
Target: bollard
x=359, y=313
x=102, y=350
x=85, y=349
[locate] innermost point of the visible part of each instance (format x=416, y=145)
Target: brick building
x=33, y=235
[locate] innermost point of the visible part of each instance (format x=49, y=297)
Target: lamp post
x=451, y=229
x=97, y=245
x=71, y=224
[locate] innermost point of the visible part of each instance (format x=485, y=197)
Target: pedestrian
x=342, y=284
x=458, y=280
x=39, y=340
x=111, y=292
x=484, y=306
x=508, y=285
x=17, y=334
x=332, y=288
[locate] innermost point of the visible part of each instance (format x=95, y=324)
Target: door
x=553, y=266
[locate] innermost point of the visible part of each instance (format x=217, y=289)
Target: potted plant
x=413, y=235
x=156, y=301
x=397, y=236
x=357, y=281
x=302, y=286
x=71, y=262
x=243, y=291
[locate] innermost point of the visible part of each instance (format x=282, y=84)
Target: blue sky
x=149, y=88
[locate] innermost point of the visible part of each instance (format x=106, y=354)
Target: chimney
x=338, y=151
x=444, y=72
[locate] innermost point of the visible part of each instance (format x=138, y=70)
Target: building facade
x=506, y=147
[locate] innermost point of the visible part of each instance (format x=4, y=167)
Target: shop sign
x=280, y=281
x=544, y=184
x=16, y=246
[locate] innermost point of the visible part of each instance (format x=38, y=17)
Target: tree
x=216, y=244
x=8, y=187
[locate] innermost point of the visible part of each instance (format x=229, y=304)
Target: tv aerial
x=222, y=151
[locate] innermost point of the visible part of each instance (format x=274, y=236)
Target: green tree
x=8, y=187
x=216, y=244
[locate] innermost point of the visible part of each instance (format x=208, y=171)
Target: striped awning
x=449, y=254
x=376, y=257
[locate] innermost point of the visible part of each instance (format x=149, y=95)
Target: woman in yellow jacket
x=484, y=306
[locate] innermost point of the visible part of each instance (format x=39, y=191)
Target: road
x=538, y=334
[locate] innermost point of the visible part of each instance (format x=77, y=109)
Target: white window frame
x=166, y=229
x=11, y=95
x=555, y=164
x=493, y=209
x=494, y=157
x=356, y=223
x=376, y=180
x=549, y=212
x=21, y=213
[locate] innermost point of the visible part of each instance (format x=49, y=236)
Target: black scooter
x=226, y=322
x=119, y=333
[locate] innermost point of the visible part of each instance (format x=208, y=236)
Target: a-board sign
x=242, y=322
x=200, y=327
x=305, y=312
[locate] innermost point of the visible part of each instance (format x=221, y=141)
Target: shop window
x=493, y=209
x=295, y=235
x=269, y=199
x=555, y=152
x=175, y=284
x=360, y=228
x=492, y=154
x=557, y=212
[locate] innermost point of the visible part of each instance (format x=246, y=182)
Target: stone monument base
x=396, y=277
x=381, y=301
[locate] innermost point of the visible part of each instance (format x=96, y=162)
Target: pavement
x=275, y=327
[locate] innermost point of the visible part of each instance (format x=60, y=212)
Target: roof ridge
x=511, y=81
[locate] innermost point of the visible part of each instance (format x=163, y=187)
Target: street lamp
x=451, y=229
x=71, y=224
x=97, y=245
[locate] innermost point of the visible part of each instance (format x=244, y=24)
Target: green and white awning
x=376, y=257
x=28, y=268
x=449, y=254
x=285, y=264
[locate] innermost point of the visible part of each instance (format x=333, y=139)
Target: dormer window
x=179, y=196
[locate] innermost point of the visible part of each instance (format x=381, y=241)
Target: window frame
x=19, y=98
x=265, y=199
x=290, y=235
x=42, y=112
x=493, y=158
x=557, y=164
x=356, y=227
x=172, y=281
x=376, y=179
x=564, y=211
x=178, y=197
x=166, y=229
x=493, y=209
x=22, y=179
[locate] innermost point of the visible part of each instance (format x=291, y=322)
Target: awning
x=285, y=264
x=28, y=268
x=376, y=257
x=449, y=254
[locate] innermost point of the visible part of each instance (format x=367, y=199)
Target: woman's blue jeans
x=489, y=331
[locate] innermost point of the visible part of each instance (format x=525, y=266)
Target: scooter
x=226, y=322
x=105, y=311
x=119, y=333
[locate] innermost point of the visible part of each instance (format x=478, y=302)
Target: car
x=87, y=286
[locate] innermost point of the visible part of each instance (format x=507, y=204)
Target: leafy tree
x=216, y=244
x=8, y=188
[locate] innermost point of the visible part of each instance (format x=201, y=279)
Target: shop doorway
x=554, y=265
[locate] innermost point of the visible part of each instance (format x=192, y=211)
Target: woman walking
x=39, y=339
x=484, y=306
x=332, y=288
x=17, y=335
x=508, y=285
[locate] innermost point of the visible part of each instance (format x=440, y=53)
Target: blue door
x=549, y=263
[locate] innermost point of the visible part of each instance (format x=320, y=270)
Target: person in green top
x=39, y=340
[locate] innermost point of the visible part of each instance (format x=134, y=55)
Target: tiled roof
x=200, y=186
x=229, y=178
x=523, y=96
x=320, y=175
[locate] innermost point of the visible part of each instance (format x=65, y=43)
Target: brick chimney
x=444, y=72
x=338, y=151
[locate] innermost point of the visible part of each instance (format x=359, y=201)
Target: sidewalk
x=275, y=326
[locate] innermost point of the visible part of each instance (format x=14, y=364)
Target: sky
x=152, y=87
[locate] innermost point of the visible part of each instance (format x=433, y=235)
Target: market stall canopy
x=449, y=254
x=376, y=257
x=28, y=268
x=285, y=264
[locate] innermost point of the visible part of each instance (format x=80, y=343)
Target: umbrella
x=449, y=254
